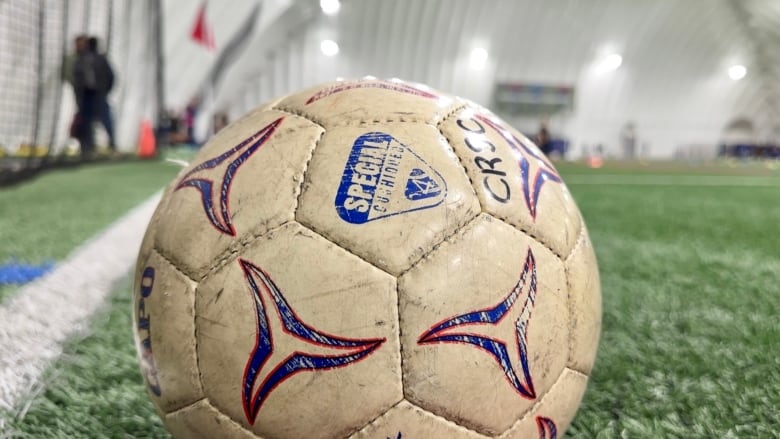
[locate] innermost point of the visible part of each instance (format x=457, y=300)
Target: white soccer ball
x=367, y=259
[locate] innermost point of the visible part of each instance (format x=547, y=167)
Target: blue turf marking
x=14, y=273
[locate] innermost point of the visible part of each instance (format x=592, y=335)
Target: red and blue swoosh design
x=546, y=427
x=338, y=351
x=459, y=329
x=221, y=218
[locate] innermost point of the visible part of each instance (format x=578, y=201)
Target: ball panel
x=163, y=317
x=244, y=182
x=148, y=242
x=406, y=420
x=584, y=305
x=363, y=100
x=554, y=413
x=513, y=179
x=386, y=192
x=286, y=348
x=202, y=421
x=483, y=315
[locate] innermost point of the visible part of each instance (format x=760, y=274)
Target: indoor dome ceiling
x=673, y=81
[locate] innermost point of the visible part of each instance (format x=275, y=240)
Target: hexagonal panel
x=202, y=421
x=164, y=329
x=407, y=420
x=296, y=334
x=387, y=192
x=553, y=415
x=584, y=305
x=483, y=326
x=513, y=178
x=244, y=182
x=367, y=101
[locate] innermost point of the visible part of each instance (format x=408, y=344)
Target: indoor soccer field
x=389, y=219
x=689, y=269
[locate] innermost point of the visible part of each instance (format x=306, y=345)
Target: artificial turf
x=689, y=338
x=45, y=218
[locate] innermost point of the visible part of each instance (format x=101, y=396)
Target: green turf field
x=45, y=218
x=690, y=335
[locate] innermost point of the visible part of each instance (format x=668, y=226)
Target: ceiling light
x=478, y=58
x=737, y=72
x=329, y=47
x=611, y=62
x=330, y=7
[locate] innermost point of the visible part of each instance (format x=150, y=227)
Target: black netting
x=37, y=104
x=19, y=38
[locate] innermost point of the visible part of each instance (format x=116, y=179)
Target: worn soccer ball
x=367, y=259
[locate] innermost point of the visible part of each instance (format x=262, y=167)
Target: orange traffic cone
x=147, y=145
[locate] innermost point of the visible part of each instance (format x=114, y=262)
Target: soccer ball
x=367, y=259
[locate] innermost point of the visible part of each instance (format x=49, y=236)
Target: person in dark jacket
x=104, y=82
x=84, y=80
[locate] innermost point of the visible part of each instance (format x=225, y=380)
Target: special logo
x=383, y=177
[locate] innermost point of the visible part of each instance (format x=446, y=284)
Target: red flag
x=201, y=31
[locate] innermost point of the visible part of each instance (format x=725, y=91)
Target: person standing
x=84, y=80
x=628, y=140
x=104, y=82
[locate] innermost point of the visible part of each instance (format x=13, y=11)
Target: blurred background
x=615, y=79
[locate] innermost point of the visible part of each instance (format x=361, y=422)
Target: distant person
x=543, y=138
x=104, y=78
x=628, y=141
x=190, y=115
x=83, y=78
x=220, y=121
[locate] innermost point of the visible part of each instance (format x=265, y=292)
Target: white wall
x=672, y=84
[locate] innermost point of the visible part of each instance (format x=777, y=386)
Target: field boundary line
x=670, y=180
x=44, y=314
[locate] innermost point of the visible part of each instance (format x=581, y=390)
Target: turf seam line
x=44, y=314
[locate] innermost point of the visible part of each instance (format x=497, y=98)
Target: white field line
x=36, y=320
x=671, y=180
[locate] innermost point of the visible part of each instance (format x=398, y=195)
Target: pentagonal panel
x=405, y=420
x=513, y=179
x=164, y=328
x=367, y=101
x=202, y=421
x=554, y=413
x=298, y=338
x=386, y=192
x=584, y=305
x=244, y=182
x=483, y=326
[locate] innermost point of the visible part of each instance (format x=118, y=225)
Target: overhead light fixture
x=610, y=62
x=330, y=7
x=329, y=47
x=478, y=58
x=737, y=72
